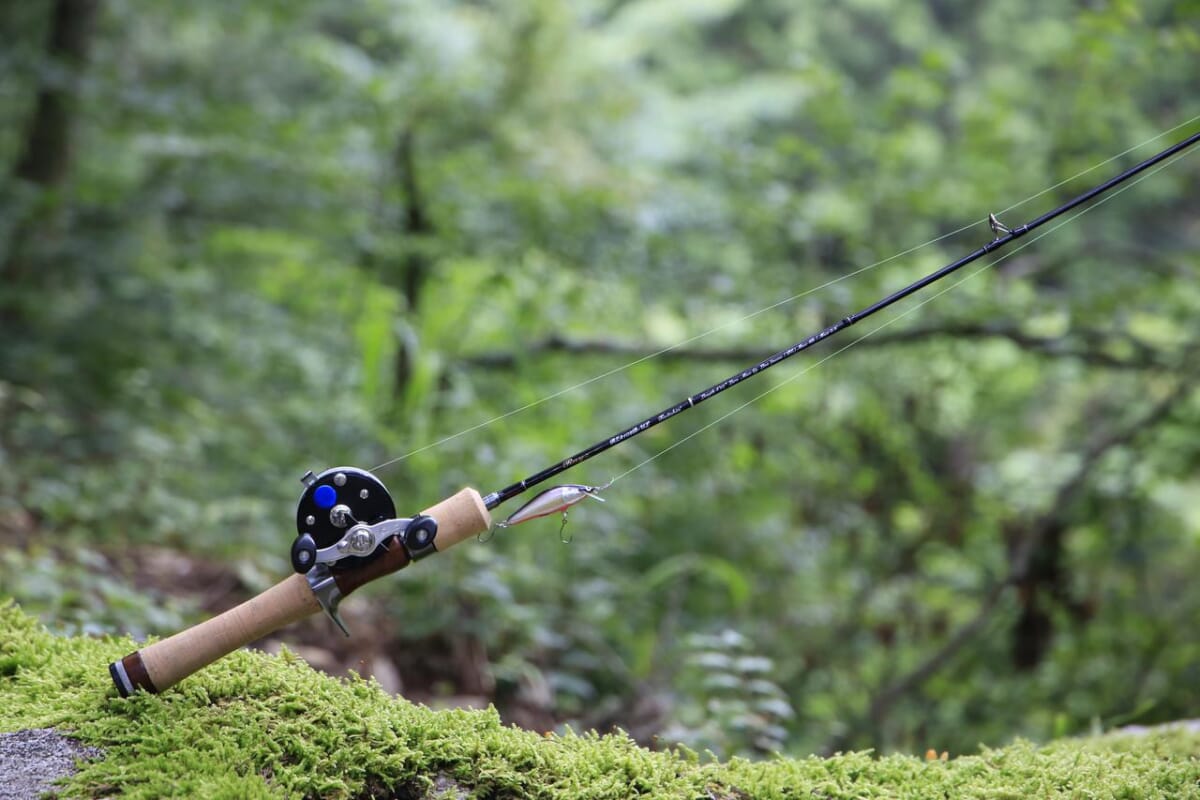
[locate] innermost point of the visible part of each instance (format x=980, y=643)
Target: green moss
x=260, y=726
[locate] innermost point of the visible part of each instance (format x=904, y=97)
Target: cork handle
x=460, y=516
x=163, y=664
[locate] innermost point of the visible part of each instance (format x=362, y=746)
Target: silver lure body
x=552, y=501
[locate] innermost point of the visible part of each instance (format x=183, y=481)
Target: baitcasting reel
x=346, y=519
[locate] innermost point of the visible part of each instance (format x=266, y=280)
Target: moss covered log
x=260, y=726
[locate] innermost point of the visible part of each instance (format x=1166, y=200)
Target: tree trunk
x=45, y=159
x=415, y=265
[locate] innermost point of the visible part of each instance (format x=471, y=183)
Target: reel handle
x=161, y=665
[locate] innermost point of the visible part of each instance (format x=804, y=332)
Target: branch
x=1087, y=345
x=1095, y=350
x=556, y=343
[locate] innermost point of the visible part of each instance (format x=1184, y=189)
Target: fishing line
x=1004, y=236
x=677, y=345
x=897, y=318
x=765, y=309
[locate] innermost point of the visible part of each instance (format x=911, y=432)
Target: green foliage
x=737, y=706
x=259, y=726
x=299, y=234
x=81, y=595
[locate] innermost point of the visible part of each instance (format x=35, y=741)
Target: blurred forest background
x=242, y=240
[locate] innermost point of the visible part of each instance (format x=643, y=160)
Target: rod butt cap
x=129, y=674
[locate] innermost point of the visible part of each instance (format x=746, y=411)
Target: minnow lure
x=552, y=501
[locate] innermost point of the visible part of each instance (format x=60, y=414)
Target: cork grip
x=459, y=517
x=163, y=664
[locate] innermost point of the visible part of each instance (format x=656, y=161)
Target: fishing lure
x=553, y=501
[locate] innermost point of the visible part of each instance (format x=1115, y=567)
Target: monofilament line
x=765, y=309
x=800, y=373
x=495, y=498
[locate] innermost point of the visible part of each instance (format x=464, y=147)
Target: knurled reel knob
x=419, y=536
x=332, y=502
x=304, y=553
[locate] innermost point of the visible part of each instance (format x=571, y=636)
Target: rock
x=1189, y=725
x=31, y=760
x=386, y=673
x=446, y=788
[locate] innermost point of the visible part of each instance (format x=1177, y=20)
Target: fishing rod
x=348, y=532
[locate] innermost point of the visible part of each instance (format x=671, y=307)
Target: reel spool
x=333, y=502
